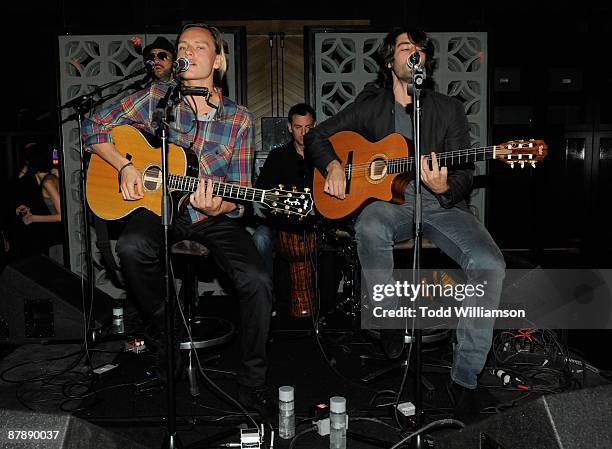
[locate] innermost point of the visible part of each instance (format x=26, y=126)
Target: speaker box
x=30, y=430
x=41, y=300
x=274, y=133
x=576, y=419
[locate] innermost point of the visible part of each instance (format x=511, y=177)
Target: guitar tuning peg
x=281, y=186
x=294, y=189
x=511, y=164
x=522, y=164
x=307, y=190
x=274, y=204
x=533, y=164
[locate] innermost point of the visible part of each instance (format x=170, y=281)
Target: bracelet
x=121, y=169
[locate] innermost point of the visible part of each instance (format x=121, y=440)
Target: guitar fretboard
x=406, y=164
x=222, y=189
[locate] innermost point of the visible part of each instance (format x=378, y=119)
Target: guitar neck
x=406, y=164
x=222, y=189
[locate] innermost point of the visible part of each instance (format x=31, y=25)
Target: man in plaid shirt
x=222, y=136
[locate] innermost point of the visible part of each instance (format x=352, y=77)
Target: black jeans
x=232, y=248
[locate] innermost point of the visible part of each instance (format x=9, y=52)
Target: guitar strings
x=191, y=183
x=409, y=160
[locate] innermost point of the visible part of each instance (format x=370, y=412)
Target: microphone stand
x=159, y=123
x=161, y=117
x=414, y=89
x=83, y=104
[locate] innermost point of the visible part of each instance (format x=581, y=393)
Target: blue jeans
x=464, y=239
x=264, y=238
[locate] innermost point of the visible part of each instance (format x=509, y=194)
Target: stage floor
x=128, y=401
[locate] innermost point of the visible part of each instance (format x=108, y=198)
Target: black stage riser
x=32, y=430
x=577, y=419
x=31, y=285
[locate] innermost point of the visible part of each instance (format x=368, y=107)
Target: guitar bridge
x=348, y=172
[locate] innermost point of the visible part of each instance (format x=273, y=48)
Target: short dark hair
x=386, y=51
x=301, y=109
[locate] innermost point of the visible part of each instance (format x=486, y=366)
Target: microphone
x=181, y=65
x=414, y=61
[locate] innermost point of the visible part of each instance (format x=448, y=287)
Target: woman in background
x=41, y=212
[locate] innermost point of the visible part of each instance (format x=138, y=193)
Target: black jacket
x=444, y=128
x=284, y=166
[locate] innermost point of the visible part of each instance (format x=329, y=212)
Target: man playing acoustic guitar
x=380, y=110
x=222, y=136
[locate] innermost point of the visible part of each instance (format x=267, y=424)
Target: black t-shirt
x=285, y=166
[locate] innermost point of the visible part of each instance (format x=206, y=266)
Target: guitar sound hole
x=378, y=169
x=152, y=178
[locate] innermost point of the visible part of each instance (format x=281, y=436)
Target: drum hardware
x=343, y=241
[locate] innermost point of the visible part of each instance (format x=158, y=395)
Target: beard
x=402, y=71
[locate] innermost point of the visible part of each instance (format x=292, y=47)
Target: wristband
x=121, y=169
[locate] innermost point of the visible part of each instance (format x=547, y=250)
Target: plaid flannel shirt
x=225, y=145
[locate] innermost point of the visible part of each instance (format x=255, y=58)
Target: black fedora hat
x=159, y=42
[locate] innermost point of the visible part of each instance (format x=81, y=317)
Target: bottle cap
x=337, y=404
x=285, y=394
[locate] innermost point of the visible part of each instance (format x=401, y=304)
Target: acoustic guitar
x=382, y=170
x=105, y=199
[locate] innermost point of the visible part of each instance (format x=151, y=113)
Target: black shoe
x=392, y=342
x=468, y=403
x=260, y=400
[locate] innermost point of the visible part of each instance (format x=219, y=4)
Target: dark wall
x=535, y=44
x=32, y=31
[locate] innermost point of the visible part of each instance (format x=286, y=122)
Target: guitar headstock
x=288, y=202
x=521, y=152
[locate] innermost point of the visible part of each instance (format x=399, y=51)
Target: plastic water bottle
x=337, y=423
x=118, y=326
x=286, y=413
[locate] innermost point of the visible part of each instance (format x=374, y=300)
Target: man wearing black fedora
x=162, y=53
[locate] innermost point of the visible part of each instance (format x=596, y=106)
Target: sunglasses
x=162, y=56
